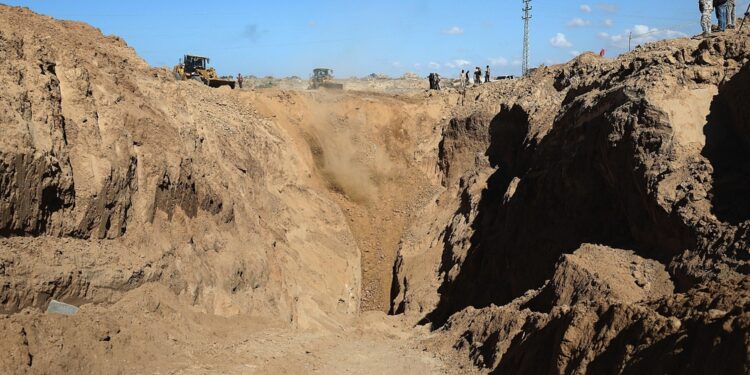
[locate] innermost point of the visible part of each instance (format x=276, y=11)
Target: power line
x=526, y=17
x=667, y=29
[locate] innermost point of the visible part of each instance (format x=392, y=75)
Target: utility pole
x=630, y=40
x=526, y=17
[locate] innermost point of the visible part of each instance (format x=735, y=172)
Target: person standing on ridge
x=706, y=7
x=721, y=14
x=437, y=81
x=487, y=75
x=462, y=78
x=239, y=80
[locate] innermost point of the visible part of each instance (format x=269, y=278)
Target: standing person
x=487, y=75
x=462, y=87
x=477, y=76
x=431, y=77
x=239, y=79
x=706, y=7
x=437, y=81
x=721, y=14
x=468, y=81
x=731, y=16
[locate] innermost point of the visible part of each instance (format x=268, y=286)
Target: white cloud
x=455, y=30
x=499, y=61
x=433, y=65
x=585, y=8
x=607, y=7
x=417, y=65
x=458, y=63
x=396, y=64
x=640, y=34
x=640, y=29
x=608, y=23
x=578, y=22
x=560, y=41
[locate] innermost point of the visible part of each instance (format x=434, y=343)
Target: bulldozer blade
x=332, y=86
x=221, y=82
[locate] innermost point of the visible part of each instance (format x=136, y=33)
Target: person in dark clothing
x=721, y=13
x=478, y=76
x=239, y=80
x=468, y=81
x=431, y=77
x=487, y=75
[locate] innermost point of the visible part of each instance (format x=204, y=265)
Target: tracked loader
x=196, y=68
x=323, y=78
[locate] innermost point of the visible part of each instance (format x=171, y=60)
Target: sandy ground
x=374, y=344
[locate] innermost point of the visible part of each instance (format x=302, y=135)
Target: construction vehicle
x=323, y=77
x=196, y=68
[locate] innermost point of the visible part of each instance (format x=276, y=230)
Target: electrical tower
x=526, y=17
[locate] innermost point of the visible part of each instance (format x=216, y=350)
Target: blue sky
x=387, y=36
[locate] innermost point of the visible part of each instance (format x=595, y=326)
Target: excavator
x=196, y=68
x=323, y=77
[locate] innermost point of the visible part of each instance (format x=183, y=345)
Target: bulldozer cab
x=196, y=68
x=194, y=63
x=323, y=77
x=322, y=74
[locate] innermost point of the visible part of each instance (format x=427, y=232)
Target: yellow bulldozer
x=323, y=77
x=196, y=68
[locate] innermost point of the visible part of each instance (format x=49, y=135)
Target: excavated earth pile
x=605, y=227
x=589, y=218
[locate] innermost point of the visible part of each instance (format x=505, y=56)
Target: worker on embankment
x=463, y=78
x=721, y=14
x=239, y=80
x=706, y=7
x=487, y=75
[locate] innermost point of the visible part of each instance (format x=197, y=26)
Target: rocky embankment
x=594, y=218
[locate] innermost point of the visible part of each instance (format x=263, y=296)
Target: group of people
x=725, y=14
x=477, y=76
x=463, y=78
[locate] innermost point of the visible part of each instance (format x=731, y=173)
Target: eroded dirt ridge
x=646, y=154
x=588, y=218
